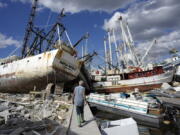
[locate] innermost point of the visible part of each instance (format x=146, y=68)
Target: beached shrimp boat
x=128, y=71
x=47, y=57
x=143, y=80
x=23, y=75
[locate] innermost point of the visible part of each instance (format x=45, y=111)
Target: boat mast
x=110, y=47
x=58, y=31
x=116, y=47
x=38, y=40
x=122, y=58
x=132, y=44
x=126, y=42
x=105, y=55
x=29, y=28
x=82, y=52
x=85, y=47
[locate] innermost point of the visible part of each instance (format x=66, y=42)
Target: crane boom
x=154, y=42
x=82, y=38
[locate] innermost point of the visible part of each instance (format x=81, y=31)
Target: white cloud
x=2, y=5
x=164, y=44
x=149, y=20
x=113, y=21
x=74, y=6
x=8, y=41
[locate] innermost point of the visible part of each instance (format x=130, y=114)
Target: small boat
x=147, y=111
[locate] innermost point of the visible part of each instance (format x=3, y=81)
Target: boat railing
x=8, y=60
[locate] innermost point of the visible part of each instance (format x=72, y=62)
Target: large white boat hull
x=37, y=71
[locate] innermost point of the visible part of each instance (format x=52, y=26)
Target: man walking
x=78, y=101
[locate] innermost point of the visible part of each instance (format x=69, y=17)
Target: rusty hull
x=24, y=75
x=142, y=88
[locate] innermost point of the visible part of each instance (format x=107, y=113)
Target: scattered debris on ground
x=32, y=114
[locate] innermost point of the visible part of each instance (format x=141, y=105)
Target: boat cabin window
x=27, y=60
x=39, y=58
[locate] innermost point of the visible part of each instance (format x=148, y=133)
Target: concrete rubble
x=31, y=114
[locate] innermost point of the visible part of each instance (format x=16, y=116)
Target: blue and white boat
x=145, y=110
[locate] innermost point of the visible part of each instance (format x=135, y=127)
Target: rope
x=68, y=38
x=49, y=17
x=14, y=50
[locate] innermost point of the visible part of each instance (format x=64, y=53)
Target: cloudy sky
x=147, y=19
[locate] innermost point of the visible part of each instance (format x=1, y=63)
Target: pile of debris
x=20, y=126
x=27, y=114
x=166, y=90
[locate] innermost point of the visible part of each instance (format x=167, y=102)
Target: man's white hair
x=81, y=82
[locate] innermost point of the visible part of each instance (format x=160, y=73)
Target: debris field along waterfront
x=36, y=87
